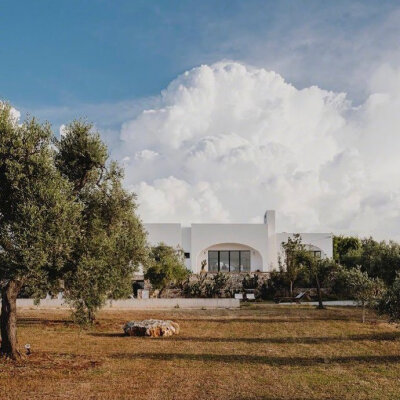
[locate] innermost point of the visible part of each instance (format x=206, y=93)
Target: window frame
x=316, y=253
x=240, y=269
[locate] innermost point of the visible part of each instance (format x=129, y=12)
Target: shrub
x=216, y=285
x=365, y=290
x=166, y=267
x=250, y=282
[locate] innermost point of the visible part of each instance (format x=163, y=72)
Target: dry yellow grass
x=257, y=352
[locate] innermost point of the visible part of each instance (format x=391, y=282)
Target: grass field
x=257, y=352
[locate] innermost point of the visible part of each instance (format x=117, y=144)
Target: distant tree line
x=378, y=259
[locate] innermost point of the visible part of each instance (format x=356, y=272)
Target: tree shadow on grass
x=43, y=321
x=265, y=320
x=254, y=359
x=385, y=336
x=282, y=398
x=279, y=398
x=108, y=334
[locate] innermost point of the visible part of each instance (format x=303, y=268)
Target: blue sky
x=63, y=53
x=182, y=90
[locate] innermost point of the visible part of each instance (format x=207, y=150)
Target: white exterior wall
x=170, y=234
x=261, y=239
x=272, y=260
x=323, y=241
x=252, y=236
x=186, y=245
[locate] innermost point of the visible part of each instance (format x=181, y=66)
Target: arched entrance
x=230, y=257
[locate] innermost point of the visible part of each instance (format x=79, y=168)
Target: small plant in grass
x=365, y=290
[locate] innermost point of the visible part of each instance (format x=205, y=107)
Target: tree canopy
x=291, y=263
x=166, y=266
x=365, y=290
x=39, y=218
x=378, y=259
x=112, y=244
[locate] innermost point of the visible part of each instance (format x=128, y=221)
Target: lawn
x=257, y=352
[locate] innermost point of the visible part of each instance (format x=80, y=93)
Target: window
x=229, y=261
x=316, y=253
x=245, y=261
x=187, y=255
x=235, y=261
x=213, y=261
x=224, y=261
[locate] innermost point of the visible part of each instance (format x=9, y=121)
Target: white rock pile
x=151, y=327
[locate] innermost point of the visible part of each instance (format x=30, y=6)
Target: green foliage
x=250, y=281
x=82, y=156
x=194, y=288
x=343, y=245
x=112, y=242
x=326, y=270
x=378, y=259
x=317, y=267
x=275, y=286
x=217, y=284
x=292, y=265
x=166, y=267
x=365, y=290
x=39, y=219
x=390, y=301
x=208, y=285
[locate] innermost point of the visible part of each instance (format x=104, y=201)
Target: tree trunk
x=8, y=320
x=291, y=289
x=91, y=316
x=363, y=312
x=320, y=304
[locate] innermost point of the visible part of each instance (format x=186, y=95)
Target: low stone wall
x=140, y=304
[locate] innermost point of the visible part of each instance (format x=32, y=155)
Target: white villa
x=233, y=247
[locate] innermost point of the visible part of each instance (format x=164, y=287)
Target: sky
x=219, y=110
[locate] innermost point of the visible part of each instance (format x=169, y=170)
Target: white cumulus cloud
x=227, y=141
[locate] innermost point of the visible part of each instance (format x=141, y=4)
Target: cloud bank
x=226, y=141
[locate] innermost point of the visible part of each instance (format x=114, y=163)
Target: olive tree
x=365, y=290
x=112, y=243
x=39, y=219
x=290, y=264
x=166, y=266
x=313, y=267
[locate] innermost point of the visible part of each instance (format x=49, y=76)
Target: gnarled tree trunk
x=8, y=320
